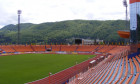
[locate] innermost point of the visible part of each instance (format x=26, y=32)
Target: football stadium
x=78, y=63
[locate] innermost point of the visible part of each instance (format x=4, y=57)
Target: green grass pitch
x=20, y=69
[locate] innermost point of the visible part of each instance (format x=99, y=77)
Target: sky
x=40, y=11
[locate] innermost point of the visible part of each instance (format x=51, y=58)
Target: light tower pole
x=126, y=22
x=125, y=5
x=19, y=12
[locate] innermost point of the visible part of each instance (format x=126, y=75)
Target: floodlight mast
x=19, y=12
x=125, y=5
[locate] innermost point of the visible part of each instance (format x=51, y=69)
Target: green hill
x=61, y=32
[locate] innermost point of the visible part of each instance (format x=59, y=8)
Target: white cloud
x=38, y=11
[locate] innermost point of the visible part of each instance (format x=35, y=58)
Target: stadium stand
x=38, y=48
x=86, y=48
x=106, y=48
x=7, y=48
x=69, y=48
x=22, y=48
x=56, y=47
x=114, y=76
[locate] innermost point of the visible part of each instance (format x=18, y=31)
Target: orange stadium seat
x=69, y=48
x=56, y=47
x=22, y=48
x=86, y=48
x=7, y=48
x=39, y=47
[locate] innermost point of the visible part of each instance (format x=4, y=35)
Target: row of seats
x=119, y=70
x=69, y=48
x=22, y=48
x=7, y=48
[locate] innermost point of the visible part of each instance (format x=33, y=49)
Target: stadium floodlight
x=18, y=12
x=125, y=5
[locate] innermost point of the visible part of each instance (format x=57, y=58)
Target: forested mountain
x=61, y=32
